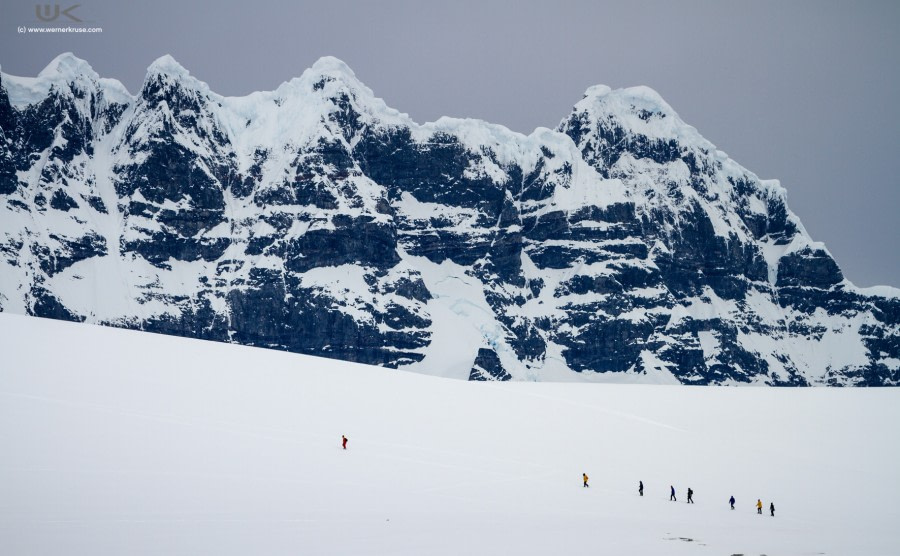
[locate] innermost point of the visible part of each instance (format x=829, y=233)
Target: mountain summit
x=621, y=246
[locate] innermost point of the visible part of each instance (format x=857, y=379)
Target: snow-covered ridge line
x=66, y=68
x=268, y=119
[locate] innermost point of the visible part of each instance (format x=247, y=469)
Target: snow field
x=120, y=442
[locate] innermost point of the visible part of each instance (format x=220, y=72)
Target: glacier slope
x=121, y=442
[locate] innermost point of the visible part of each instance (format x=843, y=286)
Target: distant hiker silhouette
x=584, y=475
x=344, y=441
x=641, y=488
x=672, y=496
x=772, y=508
x=759, y=506
x=690, y=499
x=731, y=501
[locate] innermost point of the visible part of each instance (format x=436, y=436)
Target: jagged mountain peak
x=167, y=65
x=67, y=66
x=65, y=74
x=640, y=109
x=166, y=76
x=327, y=77
x=327, y=101
x=640, y=99
x=329, y=85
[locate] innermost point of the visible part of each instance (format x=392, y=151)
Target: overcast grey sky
x=806, y=92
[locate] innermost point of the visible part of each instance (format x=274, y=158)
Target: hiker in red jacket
x=344, y=441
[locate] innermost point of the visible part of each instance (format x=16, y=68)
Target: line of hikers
x=690, y=491
x=690, y=496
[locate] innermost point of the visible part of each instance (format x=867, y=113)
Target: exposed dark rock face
x=488, y=367
x=315, y=219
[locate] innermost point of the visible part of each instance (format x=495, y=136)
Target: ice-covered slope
x=619, y=247
x=208, y=448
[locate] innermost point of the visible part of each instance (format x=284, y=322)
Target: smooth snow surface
x=122, y=442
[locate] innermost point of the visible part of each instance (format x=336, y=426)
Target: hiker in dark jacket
x=690, y=499
x=772, y=508
x=672, y=496
x=641, y=488
x=731, y=501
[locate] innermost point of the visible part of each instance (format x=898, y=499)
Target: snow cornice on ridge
x=333, y=66
x=640, y=96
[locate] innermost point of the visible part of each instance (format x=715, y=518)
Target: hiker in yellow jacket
x=584, y=475
x=759, y=506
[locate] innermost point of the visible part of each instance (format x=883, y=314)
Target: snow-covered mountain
x=621, y=246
